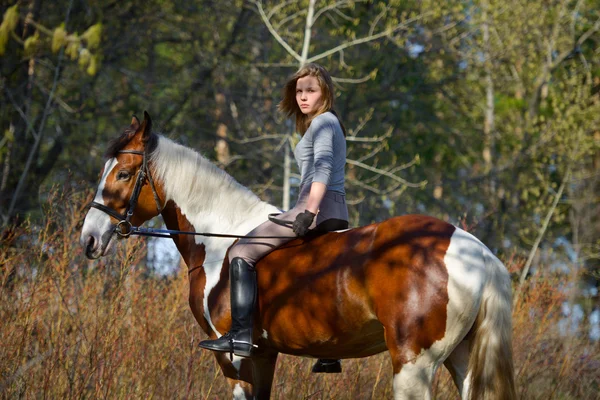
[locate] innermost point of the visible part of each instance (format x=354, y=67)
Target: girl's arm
x=317, y=192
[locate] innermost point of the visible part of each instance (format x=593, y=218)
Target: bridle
x=124, y=227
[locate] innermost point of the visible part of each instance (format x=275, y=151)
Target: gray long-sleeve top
x=321, y=154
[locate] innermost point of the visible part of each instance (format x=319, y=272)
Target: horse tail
x=491, y=360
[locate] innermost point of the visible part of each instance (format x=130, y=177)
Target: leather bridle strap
x=124, y=227
x=107, y=210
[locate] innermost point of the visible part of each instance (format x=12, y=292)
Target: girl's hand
x=303, y=222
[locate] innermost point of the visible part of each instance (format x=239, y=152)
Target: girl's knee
x=234, y=252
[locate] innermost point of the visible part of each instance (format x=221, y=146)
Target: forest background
x=482, y=113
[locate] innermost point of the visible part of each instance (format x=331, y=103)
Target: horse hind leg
x=457, y=364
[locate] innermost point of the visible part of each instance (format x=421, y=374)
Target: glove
x=302, y=222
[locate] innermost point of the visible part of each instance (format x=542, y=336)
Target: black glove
x=302, y=222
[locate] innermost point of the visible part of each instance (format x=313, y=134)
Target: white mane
x=201, y=189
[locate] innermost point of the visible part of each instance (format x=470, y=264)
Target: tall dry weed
x=74, y=328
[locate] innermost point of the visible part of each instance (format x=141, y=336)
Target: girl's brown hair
x=289, y=107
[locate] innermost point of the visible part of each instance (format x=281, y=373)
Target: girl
x=321, y=156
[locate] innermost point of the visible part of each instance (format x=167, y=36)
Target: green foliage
x=92, y=36
x=59, y=38
x=9, y=22
x=31, y=44
x=210, y=73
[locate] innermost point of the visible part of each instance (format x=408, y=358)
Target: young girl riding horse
x=321, y=156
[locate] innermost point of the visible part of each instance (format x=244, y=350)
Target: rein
x=124, y=228
x=166, y=233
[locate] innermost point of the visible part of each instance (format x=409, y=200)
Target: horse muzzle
x=97, y=244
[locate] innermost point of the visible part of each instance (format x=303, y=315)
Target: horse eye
x=123, y=175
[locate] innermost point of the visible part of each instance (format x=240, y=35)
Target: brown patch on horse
x=116, y=194
x=316, y=293
x=193, y=255
x=219, y=299
x=410, y=289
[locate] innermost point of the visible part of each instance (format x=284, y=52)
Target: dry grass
x=72, y=328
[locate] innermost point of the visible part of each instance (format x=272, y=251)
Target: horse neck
x=207, y=197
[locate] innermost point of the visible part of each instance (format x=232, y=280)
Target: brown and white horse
x=420, y=288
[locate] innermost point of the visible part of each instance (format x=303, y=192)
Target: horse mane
x=119, y=143
x=197, y=182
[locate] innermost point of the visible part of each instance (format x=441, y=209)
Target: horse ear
x=135, y=123
x=146, y=126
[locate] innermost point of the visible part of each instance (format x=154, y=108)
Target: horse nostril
x=90, y=244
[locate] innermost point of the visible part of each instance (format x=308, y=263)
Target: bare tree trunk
x=493, y=225
x=488, y=125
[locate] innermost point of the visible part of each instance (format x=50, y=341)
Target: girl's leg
x=242, y=276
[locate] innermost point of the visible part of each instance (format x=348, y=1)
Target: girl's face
x=308, y=95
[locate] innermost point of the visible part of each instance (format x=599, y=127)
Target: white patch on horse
x=414, y=379
x=211, y=200
x=265, y=334
x=108, y=167
x=97, y=222
x=467, y=274
x=238, y=392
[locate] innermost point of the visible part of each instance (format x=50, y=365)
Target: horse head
x=127, y=195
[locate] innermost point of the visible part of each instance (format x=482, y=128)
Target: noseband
x=124, y=227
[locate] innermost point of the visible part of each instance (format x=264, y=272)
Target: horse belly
x=306, y=336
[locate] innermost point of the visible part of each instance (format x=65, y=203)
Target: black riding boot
x=327, y=366
x=238, y=340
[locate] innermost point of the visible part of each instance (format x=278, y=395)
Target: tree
x=284, y=22
x=26, y=162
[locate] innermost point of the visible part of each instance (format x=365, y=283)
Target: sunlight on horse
x=422, y=289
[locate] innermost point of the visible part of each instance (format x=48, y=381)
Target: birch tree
x=284, y=24
x=529, y=84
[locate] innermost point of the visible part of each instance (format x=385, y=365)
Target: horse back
x=341, y=287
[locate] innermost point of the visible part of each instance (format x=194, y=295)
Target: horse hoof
x=327, y=366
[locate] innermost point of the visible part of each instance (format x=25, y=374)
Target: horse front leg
x=264, y=370
x=249, y=378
